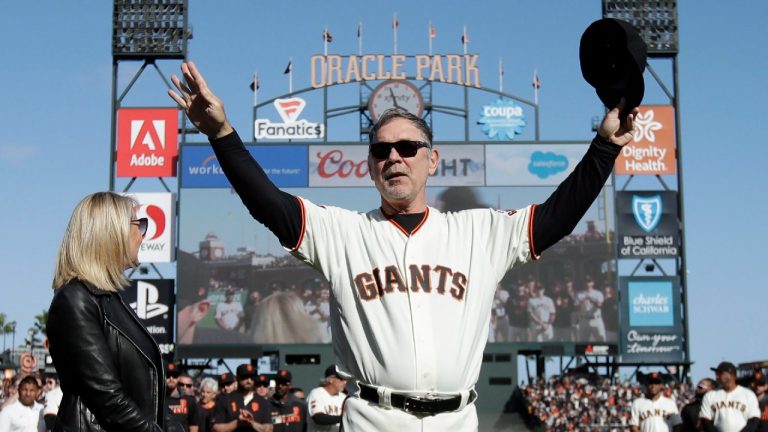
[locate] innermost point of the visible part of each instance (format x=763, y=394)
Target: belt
x=416, y=404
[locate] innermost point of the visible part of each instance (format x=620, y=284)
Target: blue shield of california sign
x=647, y=211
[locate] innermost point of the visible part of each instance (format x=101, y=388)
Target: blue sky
x=55, y=121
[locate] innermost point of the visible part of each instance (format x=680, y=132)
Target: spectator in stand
x=182, y=413
x=517, y=311
x=654, y=412
x=760, y=387
x=499, y=328
x=611, y=313
x=209, y=390
x=324, y=404
x=564, y=307
x=541, y=312
x=263, y=387
x=242, y=410
x=229, y=312
x=589, y=303
x=53, y=395
x=690, y=412
x=592, y=234
x=23, y=415
x=227, y=383
x=298, y=393
x=732, y=408
x=288, y=413
x=250, y=310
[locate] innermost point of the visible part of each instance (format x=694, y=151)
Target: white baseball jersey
x=411, y=312
x=659, y=415
x=587, y=303
x=319, y=401
x=542, y=308
x=16, y=417
x=729, y=411
x=229, y=313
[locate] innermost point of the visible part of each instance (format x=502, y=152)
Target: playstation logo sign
x=146, y=304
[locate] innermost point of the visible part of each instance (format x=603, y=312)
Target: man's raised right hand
x=204, y=109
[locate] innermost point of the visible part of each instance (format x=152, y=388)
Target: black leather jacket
x=110, y=367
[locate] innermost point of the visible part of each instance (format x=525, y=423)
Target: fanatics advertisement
x=147, y=142
x=647, y=224
x=245, y=289
x=286, y=166
x=292, y=127
x=652, y=150
x=158, y=208
x=153, y=300
x=651, y=330
x=532, y=165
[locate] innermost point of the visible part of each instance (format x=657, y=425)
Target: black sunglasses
x=187, y=385
x=142, y=223
x=405, y=148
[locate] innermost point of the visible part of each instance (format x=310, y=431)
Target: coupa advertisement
x=651, y=329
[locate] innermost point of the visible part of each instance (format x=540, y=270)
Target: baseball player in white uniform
x=731, y=408
x=325, y=403
x=654, y=412
x=589, y=303
x=542, y=312
x=411, y=287
x=229, y=312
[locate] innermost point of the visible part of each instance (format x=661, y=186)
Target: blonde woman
x=108, y=364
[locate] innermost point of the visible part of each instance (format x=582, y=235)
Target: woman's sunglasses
x=142, y=223
x=405, y=148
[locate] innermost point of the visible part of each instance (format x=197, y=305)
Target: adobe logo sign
x=157, y=245
x=147, y=142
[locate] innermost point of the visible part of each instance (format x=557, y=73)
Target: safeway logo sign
x=147, y=305
x=157, y=245
x=147, y=142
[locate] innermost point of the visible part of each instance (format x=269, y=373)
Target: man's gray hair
x=210, y=383
x=396, y=113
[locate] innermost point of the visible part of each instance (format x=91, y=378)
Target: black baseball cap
x=262, y=380
x=725, y=367
x=333, y=371
x=284, y=376
x=226, y=378
x=246, y=370
x=171, y=370
x=760, y=378
x=654, y=378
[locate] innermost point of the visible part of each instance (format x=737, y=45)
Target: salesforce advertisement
x=531, y=164
x=651, y=327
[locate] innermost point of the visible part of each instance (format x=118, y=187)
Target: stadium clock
x=395, y=94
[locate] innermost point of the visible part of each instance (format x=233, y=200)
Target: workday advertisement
x=531, y=165
x=286, y=166
x=651, y=327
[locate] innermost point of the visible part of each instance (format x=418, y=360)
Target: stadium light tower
x=657, y=22
x=147, y=31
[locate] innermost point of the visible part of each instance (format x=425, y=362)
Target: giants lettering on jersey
x=436, y=279
x=181, y=408
x=736, y=405
x=658, y=412
x=294, y=417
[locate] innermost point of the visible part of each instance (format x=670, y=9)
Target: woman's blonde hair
x=96, y=247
